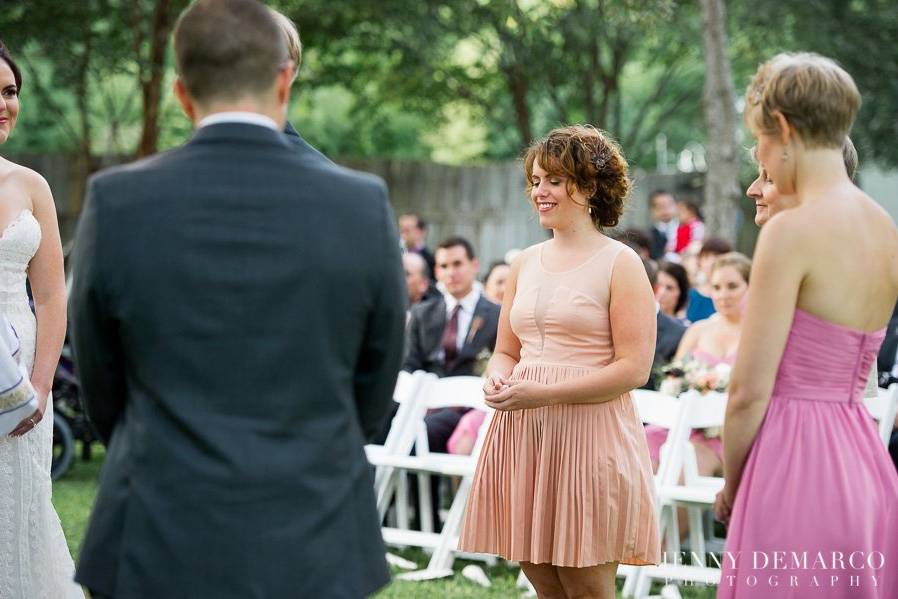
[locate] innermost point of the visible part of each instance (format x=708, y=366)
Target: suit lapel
x=476, y=330
x=436, y=325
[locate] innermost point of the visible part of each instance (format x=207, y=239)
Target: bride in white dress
x=34, y=560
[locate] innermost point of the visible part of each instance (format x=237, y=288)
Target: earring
x=785, y=155
x=589, y=210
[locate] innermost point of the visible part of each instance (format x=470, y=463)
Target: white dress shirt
x=465, y=315
x=238, y=116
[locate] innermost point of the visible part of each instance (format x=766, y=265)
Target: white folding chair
x=883, y=408
x=696, y=493
x=400, y=440
x=440, y=393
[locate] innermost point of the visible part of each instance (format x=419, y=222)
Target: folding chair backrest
x=454, y=391
x=883, y=408
x=407, y=394
x=406, y=385
x=656, y=408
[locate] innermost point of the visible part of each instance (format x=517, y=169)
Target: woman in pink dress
x=811, y=496
x=564, y=482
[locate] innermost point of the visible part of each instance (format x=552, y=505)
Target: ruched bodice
x=818, y=477
x=824, y=361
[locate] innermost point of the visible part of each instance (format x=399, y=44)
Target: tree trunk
x=722, y=153
x=517, y=85
x=151, y=85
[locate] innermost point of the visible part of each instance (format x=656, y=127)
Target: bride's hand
x=29, y=423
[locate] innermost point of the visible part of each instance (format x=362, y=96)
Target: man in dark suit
x=663, y=208
x=449, y=332
x=887, y=363
x=232, y=359
x=669, y=333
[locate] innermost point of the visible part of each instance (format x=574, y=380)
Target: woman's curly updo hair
x=591, y=161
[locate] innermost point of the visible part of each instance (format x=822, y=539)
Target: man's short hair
x=228, y=49
x=659, y=192
x=420, y=222
x=456, y=241
x=291, y=34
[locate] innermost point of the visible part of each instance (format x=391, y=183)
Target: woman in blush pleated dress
x=808, y=481
x=564, y=482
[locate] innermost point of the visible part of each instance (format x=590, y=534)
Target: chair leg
x=696, y=531
x=402, y=519
x=443, y=558
x=425, y=509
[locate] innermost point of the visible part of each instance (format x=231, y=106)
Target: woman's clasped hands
x=501, y=393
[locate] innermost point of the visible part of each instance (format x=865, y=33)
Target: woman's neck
x=577, y=234
x=817, y=172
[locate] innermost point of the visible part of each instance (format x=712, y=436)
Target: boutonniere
x=476, y=325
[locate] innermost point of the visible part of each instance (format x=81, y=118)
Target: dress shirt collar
x=468, y=302
x=238, y=116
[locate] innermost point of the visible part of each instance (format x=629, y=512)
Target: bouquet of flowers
x=691, y=374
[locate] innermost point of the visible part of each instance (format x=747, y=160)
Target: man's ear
x=184, y=99
x=284, y=83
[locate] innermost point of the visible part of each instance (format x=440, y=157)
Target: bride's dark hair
x=16, y=73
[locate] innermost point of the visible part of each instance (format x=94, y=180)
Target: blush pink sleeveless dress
x=818, y=483
x=569, y=485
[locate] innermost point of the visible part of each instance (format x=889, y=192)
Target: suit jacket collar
x=240, y=133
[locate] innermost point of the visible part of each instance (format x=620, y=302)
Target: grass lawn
x=74, y=494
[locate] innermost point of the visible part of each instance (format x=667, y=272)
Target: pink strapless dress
x=816, y=514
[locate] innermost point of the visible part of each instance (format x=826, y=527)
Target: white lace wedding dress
x=34, y=560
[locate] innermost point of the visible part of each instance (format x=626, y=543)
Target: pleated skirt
x=568, y=485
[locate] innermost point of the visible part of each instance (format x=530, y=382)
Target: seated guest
x=447, y=333
x=672, y=290
x=494, y=283
x=669, y=331
x=417, y=277
x=699, y=305
x=711, y=342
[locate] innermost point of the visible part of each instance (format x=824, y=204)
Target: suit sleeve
x=382, y=347
x=98, y=352
x=413, y=360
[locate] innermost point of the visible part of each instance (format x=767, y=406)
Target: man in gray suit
x=233, y=357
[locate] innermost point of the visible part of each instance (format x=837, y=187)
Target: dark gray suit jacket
x=426, y=326
x=234, y=356
x=670, y=331
x=304, y=146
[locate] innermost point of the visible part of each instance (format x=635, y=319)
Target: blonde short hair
x=817, y=97
x=740, y=262
x=849, y=156
x=294, y=45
